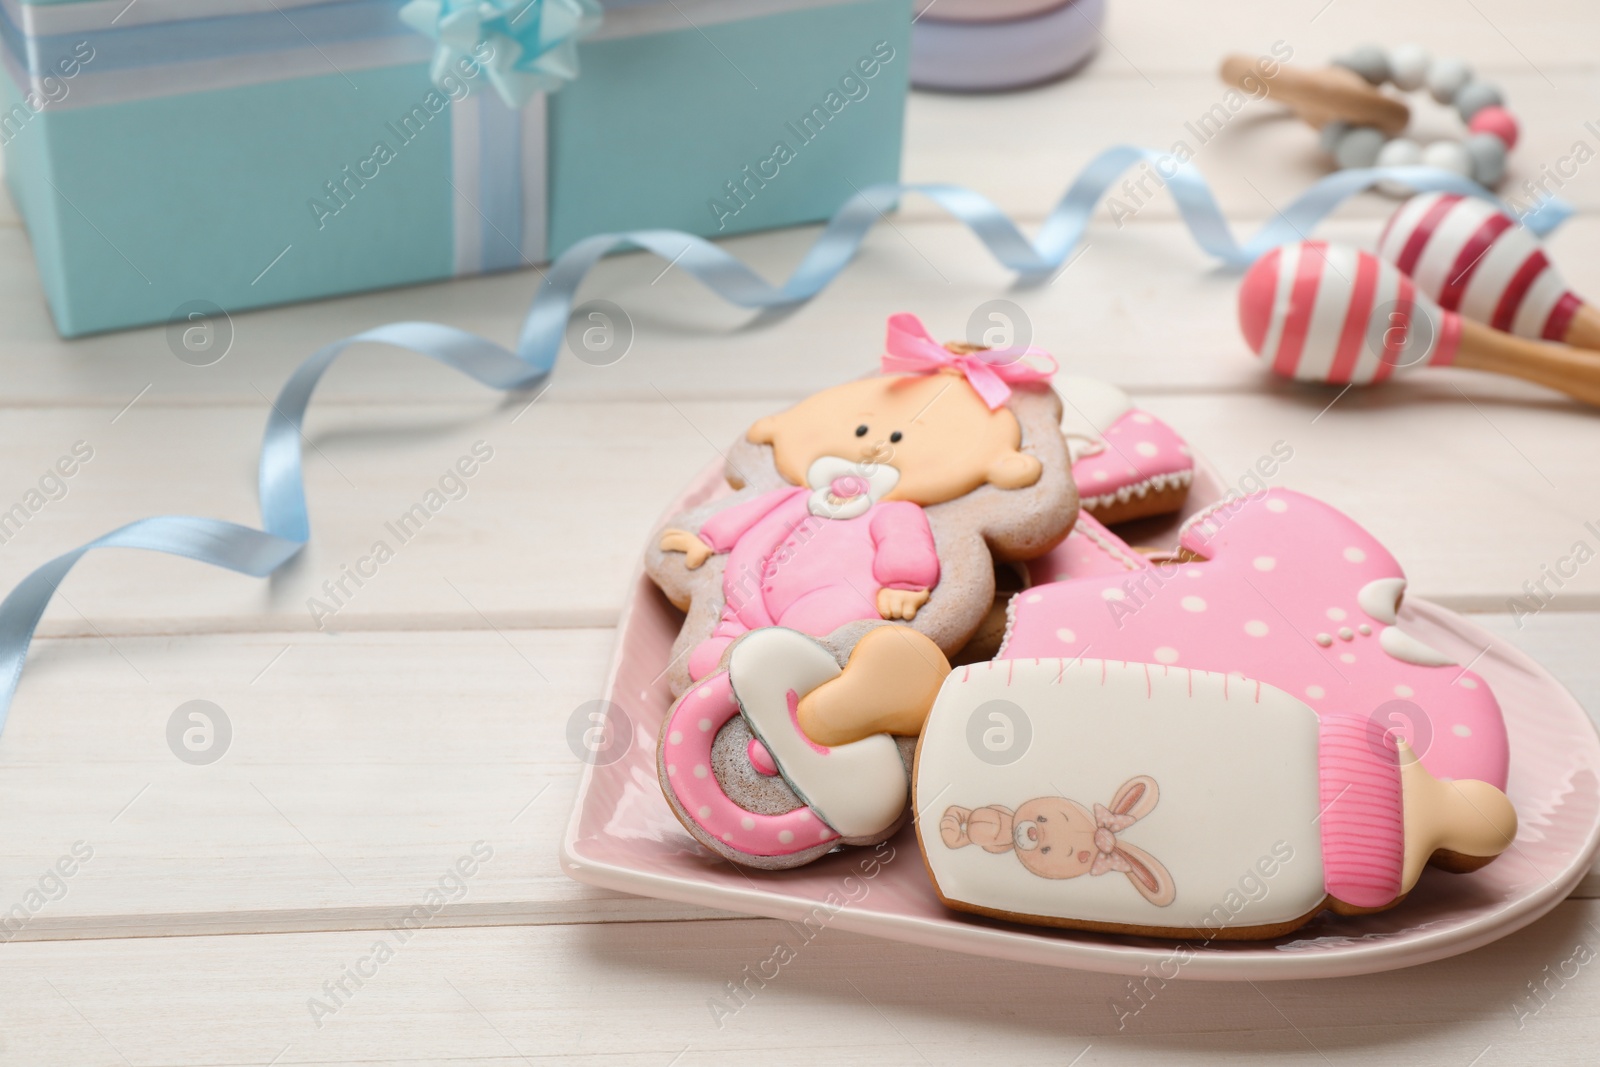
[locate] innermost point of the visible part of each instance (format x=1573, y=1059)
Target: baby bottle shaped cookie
x=1139, y=798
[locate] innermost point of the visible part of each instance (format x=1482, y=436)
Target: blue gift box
x=252, y=152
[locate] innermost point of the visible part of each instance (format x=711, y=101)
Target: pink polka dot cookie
x=1090, y=549
x=1284, y=589
x=1127, y=463
x=788, y=754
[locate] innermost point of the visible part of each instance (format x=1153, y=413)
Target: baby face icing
x=922, y=438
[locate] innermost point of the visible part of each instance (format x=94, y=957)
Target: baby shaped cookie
x=1279, y=587
x=1145, y=799
x=888, y=497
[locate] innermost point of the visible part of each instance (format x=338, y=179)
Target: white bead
x=1331, y=134
x=1408, y=65
x=1446, y=77
x=1400, y=152
x=1448, y=155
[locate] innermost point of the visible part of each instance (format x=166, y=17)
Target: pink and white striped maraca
x=1471, y=257
x=1328, y=313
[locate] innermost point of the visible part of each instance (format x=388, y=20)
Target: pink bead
x=1498, y=121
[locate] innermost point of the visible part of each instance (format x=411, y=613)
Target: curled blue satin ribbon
x=287, y=526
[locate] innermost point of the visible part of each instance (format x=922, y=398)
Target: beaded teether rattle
x=1329, y=313
x=1491, y=131
x=1362, y=126
x=1475, y=259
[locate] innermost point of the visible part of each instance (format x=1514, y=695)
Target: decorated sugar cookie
x=1283, y=588
x=886, y=498
x=1141, y=798
x=1090, y=549
x=786, y=755
x=1127, y=463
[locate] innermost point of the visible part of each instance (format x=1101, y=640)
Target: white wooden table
x=364, y=762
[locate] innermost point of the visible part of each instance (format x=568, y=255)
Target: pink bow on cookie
x=911, y=350
x=1108, y=824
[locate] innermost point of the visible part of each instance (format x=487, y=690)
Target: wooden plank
x=1142, y=307
x=548, y=530
x=390, y=751
x=1495, y=36
x=354, y=773
x=622, y=993
x=359, y=769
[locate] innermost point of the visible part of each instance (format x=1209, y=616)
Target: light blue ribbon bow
x=287, y=527
x=526, y=46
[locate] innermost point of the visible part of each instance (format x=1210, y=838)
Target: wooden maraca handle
x=1320, y=96
x=1584, y=329
x=1570, y=370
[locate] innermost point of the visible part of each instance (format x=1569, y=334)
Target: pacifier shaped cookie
x=885, y=498
x=799, y=746
x=1284, y=588
x=1145, y=799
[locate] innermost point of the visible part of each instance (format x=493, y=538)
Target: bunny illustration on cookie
x=885, y=498
x=1054, y=837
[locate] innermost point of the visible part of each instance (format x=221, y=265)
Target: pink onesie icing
x=1290, y=592
x=788, y=567
x=1138, y=453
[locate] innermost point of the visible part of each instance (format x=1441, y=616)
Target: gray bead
x=1474, y=96
x=1331, y=134
x=1359, y=147
x=1446, y=77
x=1367, y=61
x=1488, y=155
